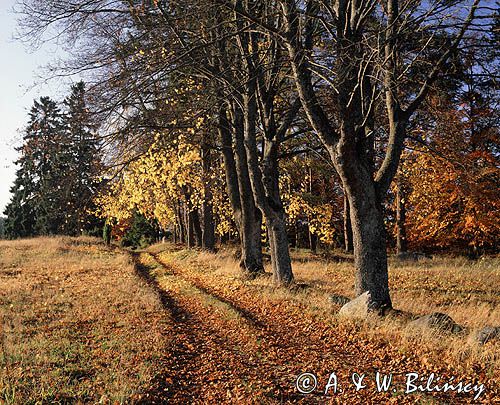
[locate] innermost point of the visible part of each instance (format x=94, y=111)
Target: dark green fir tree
x=85, y=164
x=36, y=198
x=59, y=165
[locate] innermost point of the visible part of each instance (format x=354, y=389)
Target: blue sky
x=19, y=68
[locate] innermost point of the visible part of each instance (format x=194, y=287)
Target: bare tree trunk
x=181, y=223
x=265, y=189
x=368, y=228
x=195, y=236
x=370, y=255
x=232, y=186
x=275, y=217
x=208, y=232
x=190, y=229
x=208, y=238
x=263, y=181
x=280, y=253
x=195, y=223
x=348, y=245
x=401, y=243
x=251, y=218
x=252, y=242
x=348, y=147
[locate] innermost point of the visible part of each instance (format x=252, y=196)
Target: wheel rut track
x=285, y=347
x=247, y=315
x=260, y=323
x=281, y=367
x=160, y=389
x=273, y=338
x=195, y=338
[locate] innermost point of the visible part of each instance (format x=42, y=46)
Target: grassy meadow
x=76, y=323
x=84, y=323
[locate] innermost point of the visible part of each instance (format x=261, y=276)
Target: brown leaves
x=216, y=339
x=76, y=331
x=276, y=339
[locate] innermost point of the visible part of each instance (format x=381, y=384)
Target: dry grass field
x=77, y=325
x=468, y=291
x=82, y=323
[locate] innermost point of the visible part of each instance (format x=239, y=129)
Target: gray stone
x=412, y=256
x=339, y=299
x=359, y=307
x=437, y=320
x=487, y=334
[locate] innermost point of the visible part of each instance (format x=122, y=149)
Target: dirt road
x=232, y=344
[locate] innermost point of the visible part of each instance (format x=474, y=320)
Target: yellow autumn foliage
x=166, y=176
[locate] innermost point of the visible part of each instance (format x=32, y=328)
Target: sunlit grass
x=77, y=324
x=464, y=289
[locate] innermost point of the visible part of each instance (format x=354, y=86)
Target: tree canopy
x=225, y=118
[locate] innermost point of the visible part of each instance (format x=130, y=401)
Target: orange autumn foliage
x=455, y=198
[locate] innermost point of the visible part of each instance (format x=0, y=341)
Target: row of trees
x=59, y=165
x=212, y=107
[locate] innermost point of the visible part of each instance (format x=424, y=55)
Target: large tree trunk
x=251, y=260
x=275, y=217
x=279, y=249
x=230, y=170
x=348, y=244
x=368, y=228
x=251, y=218
x=195, y=223
x=370, y=255
x=346, y=136
x=246, y=215
x=348, y=149
x=352, y=157
x=265, y=189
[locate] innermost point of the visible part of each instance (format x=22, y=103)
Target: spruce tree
x=2, y=227
x=85, y=163
x=51, y=161
x=20, y=212
x=58, y=170
x=34, y=208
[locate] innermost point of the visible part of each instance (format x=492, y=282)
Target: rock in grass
x=359, y=307
x=412, y=256
x=339, y=299
x=487, y=334
x=438, y=321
